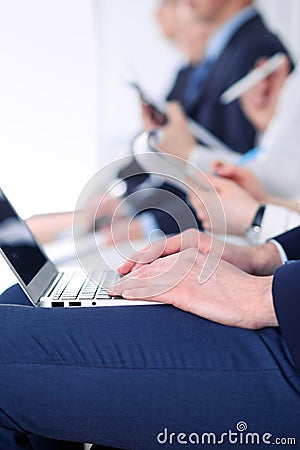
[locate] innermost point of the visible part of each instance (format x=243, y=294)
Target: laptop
x=43, y=283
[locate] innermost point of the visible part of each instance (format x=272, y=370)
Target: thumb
x=224, y=169
x=175, y=112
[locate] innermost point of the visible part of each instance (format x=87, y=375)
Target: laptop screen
x=18, y=244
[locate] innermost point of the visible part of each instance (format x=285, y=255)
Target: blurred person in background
x=178, y=24
x=196, y=29
x=268, y=204
x=236, y=38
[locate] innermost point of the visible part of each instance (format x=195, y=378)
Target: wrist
x=189, y=151
x=193, y=157
x=264, y=312
x=270, y=199
x=264, y=259
x=293, y=205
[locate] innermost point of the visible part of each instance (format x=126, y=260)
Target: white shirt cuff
x=281, y=252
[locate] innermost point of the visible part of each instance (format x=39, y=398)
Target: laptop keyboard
x=77, y=285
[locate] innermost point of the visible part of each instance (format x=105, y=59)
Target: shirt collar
x=223, y=35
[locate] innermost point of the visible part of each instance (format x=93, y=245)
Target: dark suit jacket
x=286, y=293
x=251, y=42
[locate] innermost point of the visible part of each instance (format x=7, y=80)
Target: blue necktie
x=194, y=83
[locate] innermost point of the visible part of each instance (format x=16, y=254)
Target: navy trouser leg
x=135, y=377
x=15, y=295
x=11, y=440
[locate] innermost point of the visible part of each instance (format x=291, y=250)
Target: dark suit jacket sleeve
x=286, y=296
x=286, y=293
x=290, y=242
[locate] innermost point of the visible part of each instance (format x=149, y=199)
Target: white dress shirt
x=277, y=165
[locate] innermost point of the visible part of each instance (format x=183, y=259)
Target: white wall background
x=47, y=101
x=128, y=45
x=284, y=17
x=65, y=108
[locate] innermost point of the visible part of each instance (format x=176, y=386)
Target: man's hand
x=177, y=140
x=147, y=116
x=238, y=205
x=260, y=102
x=258, y=260
x=175, y=244
x=243, y=177
x=230, y=296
